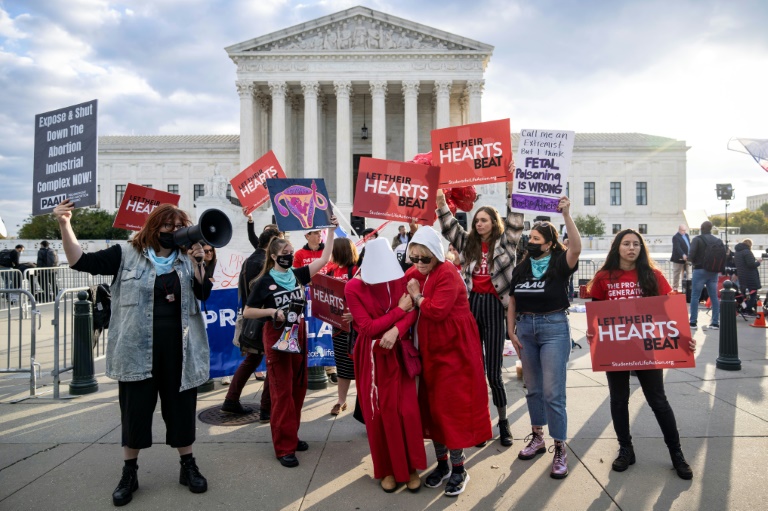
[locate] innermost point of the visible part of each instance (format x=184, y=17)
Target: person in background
x=487, y=256
x=630, y=272
x=383, y=315
x=47, y=258
x=455, y=257
x=368, y=235
x=401, y=237
x=209, y=260
x=700, y=245
x=163, y=352
x=343, y=266
x=452, y=393
x=681, y=245
x=749, y=276
x=312, y=251
x=278, y=295
x=537, y=322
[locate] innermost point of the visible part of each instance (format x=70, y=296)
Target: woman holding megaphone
x=157, y=342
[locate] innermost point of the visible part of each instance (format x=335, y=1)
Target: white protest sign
x=543, y=163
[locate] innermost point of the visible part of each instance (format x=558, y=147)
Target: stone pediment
x=358, y=30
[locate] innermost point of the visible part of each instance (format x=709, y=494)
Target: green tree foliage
x=88, y=224
x=589, y=225
x=751, y=222
x=764, y=208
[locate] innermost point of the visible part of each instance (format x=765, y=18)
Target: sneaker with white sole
x=712, y=327
x=456, y=484
x=436, y=477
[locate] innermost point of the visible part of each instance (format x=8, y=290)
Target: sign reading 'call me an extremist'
x=65, y=157
x=473, y=154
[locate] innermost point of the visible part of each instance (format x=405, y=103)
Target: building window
x=642, y=228
x=589, y=193
x=119, y=192
x=616, y=228
x=232, y=197
x=147, y=186
x=615, y=194
x=198, y=191
x=642, y=193
x=173, y=189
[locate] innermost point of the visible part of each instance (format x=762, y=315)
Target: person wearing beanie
x=452, y=391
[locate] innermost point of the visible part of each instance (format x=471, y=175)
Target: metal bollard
x=728, y=359
x=83, y=381
x=316, y=379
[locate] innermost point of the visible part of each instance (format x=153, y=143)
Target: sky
x=690, y=70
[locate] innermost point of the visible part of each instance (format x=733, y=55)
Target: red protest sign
x=473, y=154
x=395, y=190
x=138, y=202
x=328, y=302
x=250, y=185
x=640, y=333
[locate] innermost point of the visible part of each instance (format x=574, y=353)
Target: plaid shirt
x=504, y=255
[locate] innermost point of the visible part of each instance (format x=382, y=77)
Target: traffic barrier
x=19, y=335
x=760, y=319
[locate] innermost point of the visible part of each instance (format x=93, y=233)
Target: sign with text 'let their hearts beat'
x=138, y=202
x=250, y=185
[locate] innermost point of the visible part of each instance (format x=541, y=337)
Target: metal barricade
x=63, y=327
x=8, y=317
x=44, y=283
x=10, y=279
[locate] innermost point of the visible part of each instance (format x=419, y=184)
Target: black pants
x=491, y=321
x=652, y=383
x=139, y=398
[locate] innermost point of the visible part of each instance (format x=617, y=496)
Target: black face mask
x=285, y=261
x=534, y=250
x=166, y=240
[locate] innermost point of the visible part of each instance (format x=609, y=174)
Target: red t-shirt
x=621, y=284
x=481, y=277
x=340, y=272
x=304, y=255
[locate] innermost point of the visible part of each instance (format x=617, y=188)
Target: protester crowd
x=427, y=331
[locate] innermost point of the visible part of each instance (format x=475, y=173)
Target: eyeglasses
x=208, y=251
x=172, y=227
x=423, y=259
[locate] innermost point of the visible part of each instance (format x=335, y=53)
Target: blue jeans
x=546, y=340
x=706, y=278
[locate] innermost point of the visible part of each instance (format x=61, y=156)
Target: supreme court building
x=364, y=83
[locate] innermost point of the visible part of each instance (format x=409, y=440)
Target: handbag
x=411, y=358
x=289, y=339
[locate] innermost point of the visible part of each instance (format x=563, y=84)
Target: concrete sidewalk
x=65, y=454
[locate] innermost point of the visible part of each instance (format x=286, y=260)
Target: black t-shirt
x=267, y=294
x=550, y=293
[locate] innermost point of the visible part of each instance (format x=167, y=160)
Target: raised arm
x=449, y=226
x=252, y=238
x=318, y=264
x=63, y=214
x=574, y=238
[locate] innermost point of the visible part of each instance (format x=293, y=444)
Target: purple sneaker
x=535, y=446
x=560, y=462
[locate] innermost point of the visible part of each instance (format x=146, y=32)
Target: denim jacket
x=129, y=345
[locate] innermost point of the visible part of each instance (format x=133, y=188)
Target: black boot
x=235, y=407
x=681, y=466
x=189, y=475
x=505, y=437
x=625, y=458
x=128, y=484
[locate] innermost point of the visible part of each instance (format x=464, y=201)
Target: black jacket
x=679, y=247
x=698, y=247
x=47, y=258
x=746, y=268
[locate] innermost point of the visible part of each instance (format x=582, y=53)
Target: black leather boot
x=128, y=484
x=505, y=436
x=189, y=475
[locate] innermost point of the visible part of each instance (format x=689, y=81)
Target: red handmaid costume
x=386, y=393
x=452, y=392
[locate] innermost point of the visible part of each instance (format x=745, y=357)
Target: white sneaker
x=712, y=327
x=226, y=380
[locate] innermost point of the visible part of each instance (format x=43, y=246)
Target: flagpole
x=339, y=217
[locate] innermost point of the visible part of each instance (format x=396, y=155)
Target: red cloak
x=386, y=393
x=452, y=392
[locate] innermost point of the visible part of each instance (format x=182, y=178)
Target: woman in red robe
x=382, y=315
x=452, y=392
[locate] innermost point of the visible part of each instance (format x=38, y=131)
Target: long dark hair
x=473, y=250
x=149, y=235
x=644, y=265
x=344, y=253
x=549, y=233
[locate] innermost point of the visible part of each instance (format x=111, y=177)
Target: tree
x=88, y=224
x=764, y=208
x=751, y=222
x=589, y=225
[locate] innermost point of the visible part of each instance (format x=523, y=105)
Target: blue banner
x=220, y=326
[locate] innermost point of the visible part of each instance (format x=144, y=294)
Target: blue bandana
x=285, y=279
x=162, y=265
x=539, y=266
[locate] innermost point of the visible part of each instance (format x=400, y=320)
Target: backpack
x=101, y=296
x=714, y=256
x=5, y=257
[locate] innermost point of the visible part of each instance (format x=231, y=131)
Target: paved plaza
x=65, y=454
